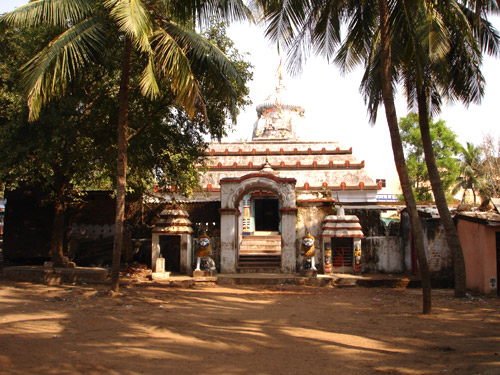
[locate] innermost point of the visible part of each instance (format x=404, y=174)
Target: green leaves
x=132, y=18
x=63, y=13
x=446, y=149
x=47, y=75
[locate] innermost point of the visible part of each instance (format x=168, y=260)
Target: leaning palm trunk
x=437, y=188
x=397, y=148
x=121, y=172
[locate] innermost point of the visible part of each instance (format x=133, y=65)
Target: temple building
x=271, y=191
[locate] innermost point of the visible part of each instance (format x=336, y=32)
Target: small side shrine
x=341, y=243
x=172, y=239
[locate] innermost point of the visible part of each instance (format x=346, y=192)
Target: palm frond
x=361, y=38
x=132, y=18
x=47, y=74
x=284, y=19
x=436, y=34
x=484, y=31
x=149, y=84
x=202, y=12
x=203, y=55
x=173, y=63
x=53, y=12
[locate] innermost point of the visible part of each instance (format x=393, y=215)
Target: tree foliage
x=446, y=149
x=471, y=171
x=71, y=147
x=490, y=150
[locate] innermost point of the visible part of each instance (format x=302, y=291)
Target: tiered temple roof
x=323, y=170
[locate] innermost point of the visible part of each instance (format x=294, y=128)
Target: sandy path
x=243, y=330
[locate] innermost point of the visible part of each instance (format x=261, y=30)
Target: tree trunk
x=57, y=235
x=121, y=172
x=397, y=148
x=439, y=195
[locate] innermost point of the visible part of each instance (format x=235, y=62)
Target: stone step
x=262, y=262
x=270, y=257
x=263, y=237
x=269, y=253
x=260, y=249
x=261, y=243
x=257, y=245
x=258, y=269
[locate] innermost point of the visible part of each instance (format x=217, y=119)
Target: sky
x=334, y=107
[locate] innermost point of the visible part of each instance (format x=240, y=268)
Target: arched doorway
x=257, y=204
x=260, y=213
x=259, y=242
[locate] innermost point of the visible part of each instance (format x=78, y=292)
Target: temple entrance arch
x=279, y=192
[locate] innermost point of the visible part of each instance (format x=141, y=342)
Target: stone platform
x=339, y=280
x=160, y=275
x=308, y=273
x=53, y=276
x=38, y=274
x=205, y=276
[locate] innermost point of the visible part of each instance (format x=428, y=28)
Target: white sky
x=335, y=110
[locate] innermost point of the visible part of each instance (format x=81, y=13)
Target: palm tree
x=471, y=176
x=160, y=32
x=457, y=76
x=315, y=25
x=424, y=66
x=440, y=56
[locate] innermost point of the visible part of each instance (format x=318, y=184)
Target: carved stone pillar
x=155, y=250
x=229, y=239
x=288, y=252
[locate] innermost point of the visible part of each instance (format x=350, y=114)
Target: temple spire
x=276, y=118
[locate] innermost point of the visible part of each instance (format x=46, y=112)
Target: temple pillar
x=186, y=254
x=288, y=252
x=155, y=250
x=229, y=239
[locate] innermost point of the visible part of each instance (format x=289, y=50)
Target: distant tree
x=446, y=149
x=471, y=173
x=490, y=155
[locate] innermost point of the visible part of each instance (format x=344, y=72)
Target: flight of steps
x=260, y=254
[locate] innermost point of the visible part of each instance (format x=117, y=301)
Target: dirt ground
x=209, y=329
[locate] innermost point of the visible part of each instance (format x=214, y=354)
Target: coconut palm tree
x=160, y=32
x=314, y=26
x=442, y=58
x=471, y=175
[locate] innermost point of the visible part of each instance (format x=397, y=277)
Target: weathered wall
x=369, y=220
x=382, y=254
x=438, y=254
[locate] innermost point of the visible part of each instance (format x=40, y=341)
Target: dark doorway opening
x=498, y=261
x=170, y=249
x=267, y=217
